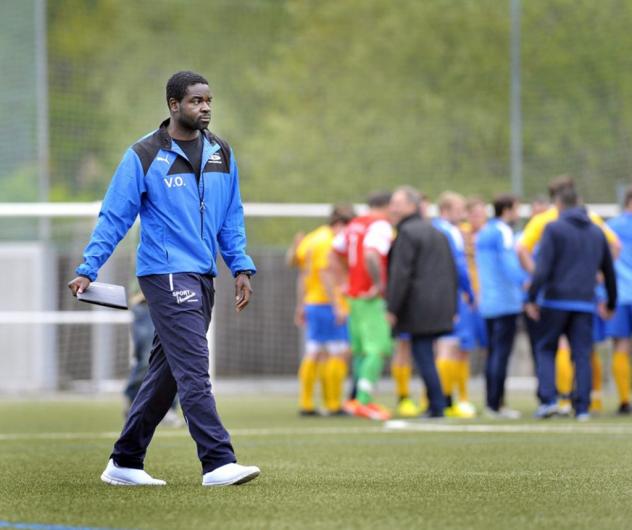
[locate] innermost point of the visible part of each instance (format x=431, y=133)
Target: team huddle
x=394, y=283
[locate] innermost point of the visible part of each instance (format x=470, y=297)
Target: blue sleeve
x=463, y=275
x=543, y=264
x=232, y=234
x=118, y=212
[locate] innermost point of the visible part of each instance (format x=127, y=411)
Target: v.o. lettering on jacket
x=174, y=182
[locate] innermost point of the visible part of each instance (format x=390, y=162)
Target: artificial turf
x=317, y=472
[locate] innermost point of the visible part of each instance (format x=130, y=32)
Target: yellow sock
x=621, y=373
x=462, y=378
x=564, y=373
x=446, y=370
x=401, y=375
x=321, y=371
x=336, y=373
x=307, y=374
x=596, y=401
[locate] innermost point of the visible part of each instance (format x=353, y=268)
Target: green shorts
x=369, y=330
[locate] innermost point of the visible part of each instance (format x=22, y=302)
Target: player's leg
x=580, y=337
x=181, y=311
x=564, y=376
x=357, y=355
x=308, y=369
x=502, y=331
x=401, y=371
x=447, y=349
x=337, y=348
x=552, y=325
x=466, y=331
x=599, y=335
x=377, y=344
x=620, y=329
x=423, y=354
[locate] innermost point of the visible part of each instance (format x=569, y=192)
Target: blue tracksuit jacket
x=183, y=222
x=573, y=249
x=499, y=272
x=622, y=226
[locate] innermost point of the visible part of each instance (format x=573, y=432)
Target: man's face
x=514, y=213
x=194, y=111
x=399, y=207
x=456, y=212
x=477, y=216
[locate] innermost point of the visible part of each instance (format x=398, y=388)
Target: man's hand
x=532, y=310
x=299, y=315
x=79, y=285
x=392, y=319
x=604, y=312
x=373, y=292
x=243, y=291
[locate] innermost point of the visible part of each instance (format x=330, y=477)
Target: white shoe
x=510, y=414
x=230, y=474
x=126, y=476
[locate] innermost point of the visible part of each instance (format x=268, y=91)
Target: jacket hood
x=577, y=216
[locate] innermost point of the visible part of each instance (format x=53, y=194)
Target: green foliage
x=325, y=101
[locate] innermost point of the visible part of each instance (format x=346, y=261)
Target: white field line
x=393, y=427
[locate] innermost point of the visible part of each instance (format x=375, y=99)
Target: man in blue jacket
x=620, y=327
x=183, y=182
x=501, y=281
x=561, y=297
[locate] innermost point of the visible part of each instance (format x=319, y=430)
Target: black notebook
x=105, y=294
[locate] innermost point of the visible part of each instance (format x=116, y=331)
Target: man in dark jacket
x=562, y=298
x=422, y=287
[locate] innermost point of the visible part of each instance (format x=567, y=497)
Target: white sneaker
x=510, y=414
x=230, y=474
x=126, y=476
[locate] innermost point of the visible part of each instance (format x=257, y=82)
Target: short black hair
x=503, y=202
x=379, y=199
x=567, y=197
x=180, y=81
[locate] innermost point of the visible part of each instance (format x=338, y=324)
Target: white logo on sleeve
x=163, y=159
x=185, y=295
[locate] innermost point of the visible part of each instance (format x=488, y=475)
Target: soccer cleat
x=544, y=412
x=583, y=417
x=372, y=411
x=230, y=474
x=407, y=408
x=564, y=407
x=126, y=476
x=624, y=409
x=462, y=410
x=350, y=406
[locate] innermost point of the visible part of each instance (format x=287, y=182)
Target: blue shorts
x=620, y=325
x=469, y=329
x=321, y=326
x=599, y=329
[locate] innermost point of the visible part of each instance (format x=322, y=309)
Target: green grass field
x=318, y=472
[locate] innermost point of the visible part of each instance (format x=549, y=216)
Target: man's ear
x=174, y=105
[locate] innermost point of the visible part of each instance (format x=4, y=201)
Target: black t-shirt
x=193, y=150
